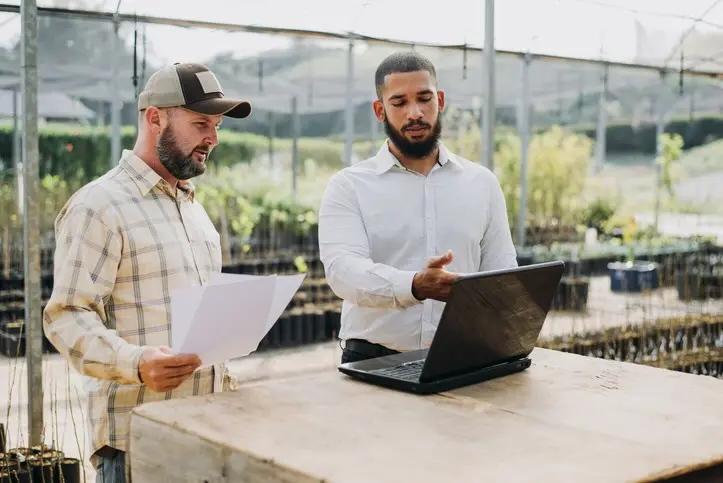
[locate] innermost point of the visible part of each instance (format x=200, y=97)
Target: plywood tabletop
x=566, y=418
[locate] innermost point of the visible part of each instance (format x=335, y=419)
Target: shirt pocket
x=213, y=246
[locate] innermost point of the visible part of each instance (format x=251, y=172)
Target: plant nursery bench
x=568, y=418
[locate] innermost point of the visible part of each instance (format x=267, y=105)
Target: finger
x=172, y=383
x=168, y=372
x=448, y=277
x=441, y=261
x=178, y=360
x=165, y=349
x=170, y=380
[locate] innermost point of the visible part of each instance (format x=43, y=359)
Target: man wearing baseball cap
x=124, y=243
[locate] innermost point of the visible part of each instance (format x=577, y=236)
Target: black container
x=296, y=319
x=319, y=324
x=572, y=294
x=45, y=471
x=285, y=331
x=307, y=328
x=333, y=323
x=16, y=476
x=13, y=339
x=271, y=339
x=70, y=469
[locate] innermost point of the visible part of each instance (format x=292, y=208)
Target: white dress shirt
x=380, y=223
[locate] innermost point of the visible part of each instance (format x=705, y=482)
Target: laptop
x=488, y=328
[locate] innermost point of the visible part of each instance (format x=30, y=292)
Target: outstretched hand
x=162, y=371
x=434, y=282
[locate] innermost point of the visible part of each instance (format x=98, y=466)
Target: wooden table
x=568, y=418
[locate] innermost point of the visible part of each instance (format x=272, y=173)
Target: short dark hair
x=401, y=62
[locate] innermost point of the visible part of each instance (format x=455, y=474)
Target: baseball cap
x=193, y=87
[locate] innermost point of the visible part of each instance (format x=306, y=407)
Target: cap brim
x=228, y=107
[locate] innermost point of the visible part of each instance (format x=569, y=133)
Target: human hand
x=434, y=282
x=162, y=371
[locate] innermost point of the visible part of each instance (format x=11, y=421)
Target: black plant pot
x=16, y=475
x=333, y=323
x=319, y=320
x=572, y=294
x=44, y=471
x=689, y=286
x=13, y=339
x=639, y=276
x=70, y=469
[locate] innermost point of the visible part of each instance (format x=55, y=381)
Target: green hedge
x=83, y=153
x=623, y=137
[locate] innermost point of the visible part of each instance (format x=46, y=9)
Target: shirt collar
x=385, y=160
x=146, y=179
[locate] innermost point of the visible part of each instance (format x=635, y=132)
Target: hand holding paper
x=229, y=317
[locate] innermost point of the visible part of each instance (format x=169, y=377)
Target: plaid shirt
x=124, y=243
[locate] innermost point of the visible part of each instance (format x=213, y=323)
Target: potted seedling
x=633, y=275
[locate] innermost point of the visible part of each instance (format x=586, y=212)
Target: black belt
x=367, y=348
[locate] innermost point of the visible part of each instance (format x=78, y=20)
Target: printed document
x=229, y=317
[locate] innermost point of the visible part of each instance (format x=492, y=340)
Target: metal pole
x=272, y=135
x=296, y=127
x=17, y=146
x=349, y=118
x=115, y=111
x=524, y=129
x=601, y=136
x=373, y=130
x=31, y=221
x=659, y=129
x=488, y=69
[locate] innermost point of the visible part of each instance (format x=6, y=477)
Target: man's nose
x=212, y=139
x=415, y=112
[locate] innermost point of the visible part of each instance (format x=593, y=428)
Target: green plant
x=557, y=171
x=597, y=213
x=671, y=150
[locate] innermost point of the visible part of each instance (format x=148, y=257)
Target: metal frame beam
x=31, y=221
x=230, y=27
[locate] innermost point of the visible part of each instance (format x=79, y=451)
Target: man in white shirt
x=396, y=228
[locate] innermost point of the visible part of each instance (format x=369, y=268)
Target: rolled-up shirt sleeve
x=86, y=260
x=344, y=251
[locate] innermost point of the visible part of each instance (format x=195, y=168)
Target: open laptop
x=488, y=328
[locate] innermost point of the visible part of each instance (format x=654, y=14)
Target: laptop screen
x=492, y=318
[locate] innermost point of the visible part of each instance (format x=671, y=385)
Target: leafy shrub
x=557, y=169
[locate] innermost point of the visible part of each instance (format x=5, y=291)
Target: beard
x=179, y=164
x=414, y=149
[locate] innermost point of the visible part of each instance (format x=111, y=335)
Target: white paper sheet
x=229, y=317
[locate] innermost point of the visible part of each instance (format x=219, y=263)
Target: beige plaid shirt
x=125, y=242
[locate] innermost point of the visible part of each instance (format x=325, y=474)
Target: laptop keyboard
x=409, y=371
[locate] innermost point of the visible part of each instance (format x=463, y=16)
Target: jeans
x=112, y=470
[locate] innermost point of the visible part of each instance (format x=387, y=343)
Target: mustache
x=418, y=123
x=202, y=149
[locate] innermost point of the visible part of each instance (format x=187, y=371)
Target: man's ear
x=379, y=110
x=153, y=120
x=440, y=100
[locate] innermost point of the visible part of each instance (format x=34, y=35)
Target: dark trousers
x=359, y=350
